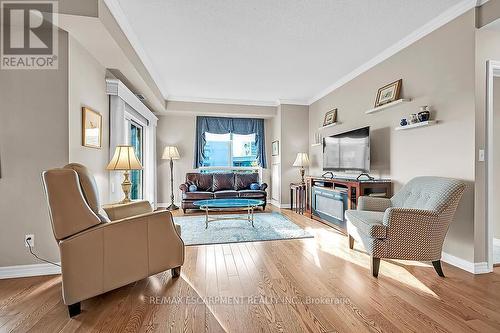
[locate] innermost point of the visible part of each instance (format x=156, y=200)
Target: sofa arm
x=184, y=188
x=263, y=186
x=373, y=203
x=121, y=211
x=111, y=255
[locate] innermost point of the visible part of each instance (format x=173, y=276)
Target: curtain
x=222, y=125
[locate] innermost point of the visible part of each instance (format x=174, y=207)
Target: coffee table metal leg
x=206, y=218
x=251, y=211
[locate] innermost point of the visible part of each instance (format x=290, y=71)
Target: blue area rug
x=268, y=226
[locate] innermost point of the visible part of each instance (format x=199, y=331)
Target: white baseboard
x=275, y=203
x=471, y=267
x=18, y=271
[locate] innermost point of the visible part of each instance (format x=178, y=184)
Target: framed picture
x=330, y=117
x=91, y=128
x=389, y=93
x=276, y=148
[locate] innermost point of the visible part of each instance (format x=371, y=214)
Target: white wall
x=437, y=70
x=496, y=154
x=87, y=88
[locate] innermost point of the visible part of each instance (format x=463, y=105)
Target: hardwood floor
x=315, y=285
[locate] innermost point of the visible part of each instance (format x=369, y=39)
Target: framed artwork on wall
x=276, y=148
x=91, y=128
x=330, y=117
x=389, y=93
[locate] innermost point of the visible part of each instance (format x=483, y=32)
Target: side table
x=298, y=197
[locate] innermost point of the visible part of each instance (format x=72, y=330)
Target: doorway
x=493, y=162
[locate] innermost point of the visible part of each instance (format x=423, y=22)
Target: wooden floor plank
x=272, y=281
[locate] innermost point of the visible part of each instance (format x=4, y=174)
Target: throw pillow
x=193, y=188
x=254, y=186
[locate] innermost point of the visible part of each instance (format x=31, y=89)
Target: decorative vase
x=403, y=122
x=413, y=118
x=425, y=113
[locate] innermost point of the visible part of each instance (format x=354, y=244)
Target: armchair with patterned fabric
x=412, y=225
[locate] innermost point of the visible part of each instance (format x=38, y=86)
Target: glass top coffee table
x=228, y=204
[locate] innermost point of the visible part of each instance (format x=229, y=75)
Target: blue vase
x=403, y=122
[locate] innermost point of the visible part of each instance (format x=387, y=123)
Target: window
x=136, y=141
x=230, y=150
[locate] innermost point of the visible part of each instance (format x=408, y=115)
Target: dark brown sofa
x=221, y=186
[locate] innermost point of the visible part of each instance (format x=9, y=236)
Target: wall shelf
x=331, y=125
x=388, y=105
x=416, y=125
x=316, y=144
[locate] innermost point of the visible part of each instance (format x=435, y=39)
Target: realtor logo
x=28, y=35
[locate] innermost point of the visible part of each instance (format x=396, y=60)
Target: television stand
x=351, y=188
x=366, y=175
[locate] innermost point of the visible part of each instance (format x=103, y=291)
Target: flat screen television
x=348, y=151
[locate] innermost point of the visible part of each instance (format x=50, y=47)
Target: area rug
x=268, y=226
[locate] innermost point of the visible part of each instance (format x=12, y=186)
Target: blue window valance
x=223, y=125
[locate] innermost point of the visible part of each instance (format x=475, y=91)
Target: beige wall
x=294, y=139
x=437, y=70
x=87, y=88
x=33, y=138
x=179, y=130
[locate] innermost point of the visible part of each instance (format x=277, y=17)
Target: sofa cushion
x=242, y=181
x=199, y=195
x=252, y=194
x=223, y=181
x=368, y=222
x=202, y=180
x=226, y=194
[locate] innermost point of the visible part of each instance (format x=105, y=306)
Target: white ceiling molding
x=292, y=102
x=117, y=88
x=221, y=101
x=120, y=17
x=431, y=26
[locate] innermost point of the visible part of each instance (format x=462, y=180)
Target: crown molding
x=292, y=102
x=120, y=17
x=423, y=31
x=221, y=101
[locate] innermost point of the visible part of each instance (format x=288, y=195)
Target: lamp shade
x=170, y=153
x=302, y=160
x=124, y=159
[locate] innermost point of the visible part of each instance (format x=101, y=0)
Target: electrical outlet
x=31, y=240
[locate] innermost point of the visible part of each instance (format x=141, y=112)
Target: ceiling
x=263, y=51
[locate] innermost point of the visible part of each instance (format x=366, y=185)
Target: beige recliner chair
x=99, y=255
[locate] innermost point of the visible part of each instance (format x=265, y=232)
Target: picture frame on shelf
x=330, y=117
x=91, y=128
x=275, y=148
x=389, y=93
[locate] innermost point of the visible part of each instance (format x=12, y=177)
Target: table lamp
x=301, y=161
x=126, y=160
x=171, y=153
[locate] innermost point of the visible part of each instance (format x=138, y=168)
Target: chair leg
x=374, y=265
x=438, y=268
x=176, y=272
x=74, y=309
x=351, y=242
